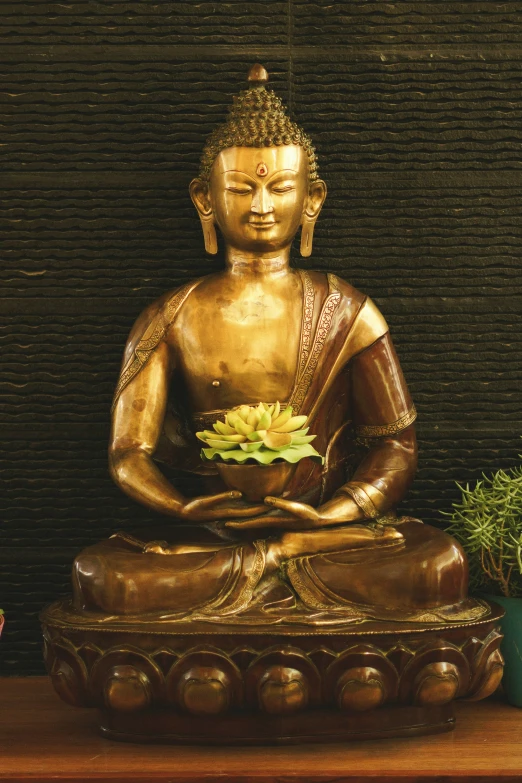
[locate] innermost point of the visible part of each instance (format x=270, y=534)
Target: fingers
x=252, y=524
x=300, y=510
x=238, y=513
x=209, y=501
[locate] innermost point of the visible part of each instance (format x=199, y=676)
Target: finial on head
x=257, y=75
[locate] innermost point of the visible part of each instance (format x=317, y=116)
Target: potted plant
x=257, y=448
x=488, y=524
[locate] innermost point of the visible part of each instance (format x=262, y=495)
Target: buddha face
x=258, y=196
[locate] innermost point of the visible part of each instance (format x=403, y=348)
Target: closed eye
x=283, y=188
x=240, y=191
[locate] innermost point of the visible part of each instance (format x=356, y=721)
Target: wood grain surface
x=43, y=739
x=415, y=110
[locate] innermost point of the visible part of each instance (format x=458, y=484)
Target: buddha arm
x=383, y=415
x=136, y=426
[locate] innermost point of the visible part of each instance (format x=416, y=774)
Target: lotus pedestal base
x=200, y=683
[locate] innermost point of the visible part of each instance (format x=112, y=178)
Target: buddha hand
x=225, y=505
x=292, y=515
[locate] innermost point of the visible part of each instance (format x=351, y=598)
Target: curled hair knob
x=257, y=75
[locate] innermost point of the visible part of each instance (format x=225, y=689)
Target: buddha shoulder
x=367, y=322
x=153, y=323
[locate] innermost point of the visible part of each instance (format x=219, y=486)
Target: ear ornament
x=307, y=235
x=209, y=233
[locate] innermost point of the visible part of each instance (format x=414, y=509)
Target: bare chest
x=240, y=349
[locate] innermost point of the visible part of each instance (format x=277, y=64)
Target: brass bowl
x=256, y=482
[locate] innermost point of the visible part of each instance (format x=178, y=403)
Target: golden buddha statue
x=329, y=552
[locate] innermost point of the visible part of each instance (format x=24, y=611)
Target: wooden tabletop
x=42, y=739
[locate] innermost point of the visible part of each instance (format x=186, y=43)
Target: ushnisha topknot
x=257, y=118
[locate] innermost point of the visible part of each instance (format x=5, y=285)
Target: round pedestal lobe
x=127, y=689
x=436, y=684
x=204, y=690
x=361, y=688
x=204, y=681
x=282, y=690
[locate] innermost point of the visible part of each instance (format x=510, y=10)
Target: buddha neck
x=245, y=265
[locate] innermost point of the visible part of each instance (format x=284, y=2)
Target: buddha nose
x=262, y=202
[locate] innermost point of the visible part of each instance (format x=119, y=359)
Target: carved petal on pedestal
x=282, y=680
x=361, y=678
x=423, y=682
x=205, y=682
x=282, y=690
x=127, y=689
x=487, y=668
x=436, y=684
x=361, y=688
x=68, y=673
x=204, y=690
x=125, y=679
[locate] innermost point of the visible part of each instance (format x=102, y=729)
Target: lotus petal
x=222, y=444
x=232, y=417
x=236, y=438
x=282, y=418
x=276, y=440
x=243, y=411
x=223, y=429
x=243, y=428
x=251, y=446
x=264, y=422
x=294, y=423
x=298, y=433
x=257, y=435
x=253, y=417
x=300, y=441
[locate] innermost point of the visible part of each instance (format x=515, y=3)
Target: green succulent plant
x=487, y=522
x=261, y=432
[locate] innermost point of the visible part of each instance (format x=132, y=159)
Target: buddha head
x=258, y=180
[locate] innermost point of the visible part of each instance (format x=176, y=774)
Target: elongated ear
x=316, y=196
x=314, y=203
x=200, y=196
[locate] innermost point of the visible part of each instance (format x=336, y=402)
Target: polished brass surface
x=255, y=484
x=261, y=330
x=268, y=549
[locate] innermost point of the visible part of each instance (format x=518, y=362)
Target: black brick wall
x=415, y=109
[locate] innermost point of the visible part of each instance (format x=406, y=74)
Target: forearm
x=385, y=474
x=136, y=473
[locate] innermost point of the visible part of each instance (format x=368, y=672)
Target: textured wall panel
x=230, y=22
x=361, y=22
x=100, y=243
x=401, y=115
x=98, y=115
x=25, y=590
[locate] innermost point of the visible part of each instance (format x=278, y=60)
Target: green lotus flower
x=262, y=432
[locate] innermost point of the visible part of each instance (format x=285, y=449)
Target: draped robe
x=349, y=382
